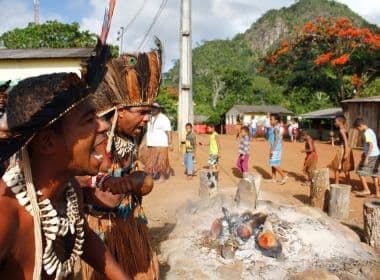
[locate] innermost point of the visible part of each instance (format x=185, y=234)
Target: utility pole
x=36, y=15
x=120, y=37
x=185, y=102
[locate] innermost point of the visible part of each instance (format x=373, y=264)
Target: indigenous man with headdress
x=53, y=126
x=124, y=99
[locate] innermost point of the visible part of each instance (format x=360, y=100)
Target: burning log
x=372, y=222
x=339, y=203
x=268, y=243
x=319, y=188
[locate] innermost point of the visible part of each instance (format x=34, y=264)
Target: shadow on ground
x=158, y=235
x=236, y=172
x=359, y=231
x=262, y=172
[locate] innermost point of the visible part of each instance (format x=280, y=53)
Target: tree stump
x=246, y=196
x=371, y=213
x=208, y=183
x=319, y=188
x=339, y=202
x=256, y=179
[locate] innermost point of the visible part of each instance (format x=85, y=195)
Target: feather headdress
x=131, y=80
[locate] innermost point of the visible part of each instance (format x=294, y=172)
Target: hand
x=365, y=163
x=138, y=183
x=345, y=156
x=241, y=157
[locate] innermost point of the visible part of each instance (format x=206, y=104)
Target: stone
x=313, y=274
x=230, y=271
x=255, y=179
x=246, y=196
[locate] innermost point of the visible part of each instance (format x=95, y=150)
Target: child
x=190, y=151
x=275, y=153
x=311, y=159
x=213, y=159
x=242, y=161
x=344, y=158
x=369, y=165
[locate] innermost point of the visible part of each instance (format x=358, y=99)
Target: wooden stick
x=371, y=213
x=339, y=202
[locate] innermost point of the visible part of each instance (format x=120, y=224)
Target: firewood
x=371, y=213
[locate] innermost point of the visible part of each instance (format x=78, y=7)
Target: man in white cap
x=158, y=141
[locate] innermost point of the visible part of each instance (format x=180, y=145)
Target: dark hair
x=276, y=117
x=358, y=122
x=211, y=125
x=341, y=118
x=245, y=128
x=189, y=125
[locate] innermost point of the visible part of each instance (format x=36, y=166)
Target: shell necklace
x=52, y=224
x=123, y=146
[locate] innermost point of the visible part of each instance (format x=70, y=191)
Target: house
x=367, y=108
x=18, y=64
x=244, y=114
x=320, y=123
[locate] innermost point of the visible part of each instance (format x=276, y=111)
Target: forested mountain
x=225, y=72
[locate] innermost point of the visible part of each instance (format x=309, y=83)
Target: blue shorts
x=253, y=131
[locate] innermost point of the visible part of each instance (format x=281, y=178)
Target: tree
x=329, y=50
x=51, y=34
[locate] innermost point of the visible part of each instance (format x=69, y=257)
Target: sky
x=211, y=19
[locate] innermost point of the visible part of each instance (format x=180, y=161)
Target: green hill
x=224, y=71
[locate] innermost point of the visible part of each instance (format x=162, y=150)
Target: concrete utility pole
x=36, y=15
x=185, y=102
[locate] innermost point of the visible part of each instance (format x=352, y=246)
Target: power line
x=126, y=27
x=158, y=14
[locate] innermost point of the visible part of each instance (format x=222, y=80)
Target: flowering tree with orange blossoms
x=333, y=47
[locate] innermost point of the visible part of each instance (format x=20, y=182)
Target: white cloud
x=212, y=19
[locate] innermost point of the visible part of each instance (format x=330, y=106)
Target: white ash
x=310, y=239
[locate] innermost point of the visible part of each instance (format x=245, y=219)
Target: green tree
x=323, y=54
x=51, y=34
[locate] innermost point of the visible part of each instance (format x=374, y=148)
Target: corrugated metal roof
x=330, y=113
x=10, y=54
x=363, y=99
x=198, y=119
x=273, y=109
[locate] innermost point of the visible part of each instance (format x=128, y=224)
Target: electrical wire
x=156, y=17
x=134, y=17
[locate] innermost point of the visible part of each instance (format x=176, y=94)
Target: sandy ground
x=161, y=205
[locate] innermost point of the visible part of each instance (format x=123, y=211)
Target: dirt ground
x=161, y=205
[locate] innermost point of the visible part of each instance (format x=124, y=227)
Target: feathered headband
x=131, y=80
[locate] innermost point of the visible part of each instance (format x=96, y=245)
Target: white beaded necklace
x=52, y=224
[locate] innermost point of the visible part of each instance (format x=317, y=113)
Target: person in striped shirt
x=242, y=161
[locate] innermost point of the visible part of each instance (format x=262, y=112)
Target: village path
x=166, y=198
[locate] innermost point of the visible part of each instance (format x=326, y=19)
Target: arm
x=170, y=138
x=345, y=143
x=8, y=229
x=275, y=141
x=195, y=144
x=310, y=144
x=370, y=148
x=98, y=256
x=219, y=146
